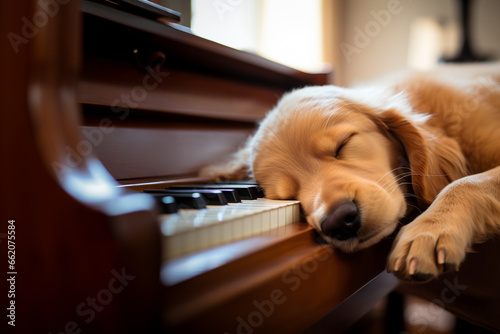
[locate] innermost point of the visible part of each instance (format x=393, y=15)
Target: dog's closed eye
x=331, y=143
x=343, y=143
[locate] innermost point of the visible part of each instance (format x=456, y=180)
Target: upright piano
x=100, y=103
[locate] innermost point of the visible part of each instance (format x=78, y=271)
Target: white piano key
x=256, y=225
x=173, y=247
x=289, y=214
x=265, y=220
x=247, y=226
x=282, y=216
x=238, y=229
x=189, y=243
x=192, y=230
x=202, y=238
x=227, y=230
x=214, y=232
x=273, y=216
x=296, y=212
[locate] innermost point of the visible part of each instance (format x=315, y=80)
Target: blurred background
x=360, y=39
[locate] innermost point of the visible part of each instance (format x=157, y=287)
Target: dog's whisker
x=389, y=172
x=400, y=184
x=390, y=183
x=393, y=183
x=416, y=207
x=396, y=174
x=407, y=195
x=430, y=174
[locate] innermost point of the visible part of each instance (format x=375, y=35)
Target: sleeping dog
x=360, y=159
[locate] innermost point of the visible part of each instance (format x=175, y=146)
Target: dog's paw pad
x=422, y=252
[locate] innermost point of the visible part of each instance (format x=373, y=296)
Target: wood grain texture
x=69, y=241
x=286, y=286
x=135, y=152
x=177, y=91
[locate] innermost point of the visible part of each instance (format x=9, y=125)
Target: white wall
x=357, y=37
x=230, y=22
x=386, y=50
x=287, y=31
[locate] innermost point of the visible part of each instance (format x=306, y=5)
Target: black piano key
x=245, y=192
x=167, y=204
x=260, y=191
x=250, y=191
x=229, y=195
x=211, y=196
x=184, y=200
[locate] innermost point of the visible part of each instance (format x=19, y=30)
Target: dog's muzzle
x=342, y=222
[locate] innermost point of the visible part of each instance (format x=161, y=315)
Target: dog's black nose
x=343, y=222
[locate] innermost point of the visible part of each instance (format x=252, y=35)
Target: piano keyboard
x=192, y=230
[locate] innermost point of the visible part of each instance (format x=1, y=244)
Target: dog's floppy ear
x=435, y=160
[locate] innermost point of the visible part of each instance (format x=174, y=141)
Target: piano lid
x=144, y=8
x=185, y=49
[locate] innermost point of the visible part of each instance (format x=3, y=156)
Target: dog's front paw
x=427, y=247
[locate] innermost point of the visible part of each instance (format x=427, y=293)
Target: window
x=285, y=31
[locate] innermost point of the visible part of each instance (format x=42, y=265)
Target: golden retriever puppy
x=361, y=159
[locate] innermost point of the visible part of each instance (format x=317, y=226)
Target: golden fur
x=423, y=141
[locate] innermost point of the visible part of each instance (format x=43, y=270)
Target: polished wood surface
x=78, y=146
x=192, y=145
x=75, y=230
x=281, y=282
x=189, y=101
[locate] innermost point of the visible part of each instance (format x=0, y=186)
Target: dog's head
x=352, y=163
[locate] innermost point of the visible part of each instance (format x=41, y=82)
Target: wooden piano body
x=143, y=106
